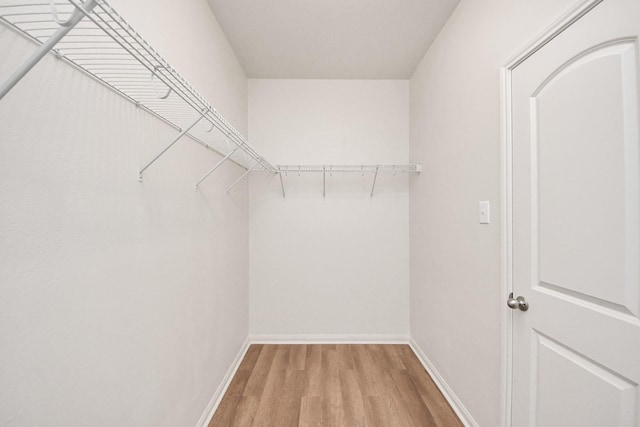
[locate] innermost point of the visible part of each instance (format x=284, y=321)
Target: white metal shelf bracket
x=183, y=133
x=242, y=176
x=40, y=53
x=284, y=196
x=217, y=166
x=324, y=182
x=375, y=176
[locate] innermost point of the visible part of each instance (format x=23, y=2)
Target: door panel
x=605, y=399
x=576, y=216
x=582, y=218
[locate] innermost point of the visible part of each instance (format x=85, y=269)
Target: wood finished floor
x=333, y=385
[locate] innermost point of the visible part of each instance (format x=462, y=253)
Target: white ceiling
x=331, y=39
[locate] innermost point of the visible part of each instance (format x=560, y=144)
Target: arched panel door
x=576, y=225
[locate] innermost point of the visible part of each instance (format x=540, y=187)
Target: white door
x=576, y=222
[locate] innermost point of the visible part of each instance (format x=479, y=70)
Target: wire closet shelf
x=93, y=37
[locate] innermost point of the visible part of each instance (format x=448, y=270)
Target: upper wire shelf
x=100, y=42
x=92, y=36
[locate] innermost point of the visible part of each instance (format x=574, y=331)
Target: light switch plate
x=483, y=212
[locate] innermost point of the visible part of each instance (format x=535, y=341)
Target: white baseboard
x=329, y=339
x=206, y=417
x=456, y=404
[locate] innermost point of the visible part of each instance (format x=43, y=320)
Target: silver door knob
x=519, y=303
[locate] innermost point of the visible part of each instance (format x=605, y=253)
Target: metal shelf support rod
x=324, y=182
x=374, y=180
x=284, y=196
x=45, y=48
x=233, y=136
x=217, y=166
x=183, y=133
x=242, y=176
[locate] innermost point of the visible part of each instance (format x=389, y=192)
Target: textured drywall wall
x=336, y=265
x=123, y=303
x=456, y=302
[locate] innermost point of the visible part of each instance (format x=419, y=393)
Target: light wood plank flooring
x=333, y=385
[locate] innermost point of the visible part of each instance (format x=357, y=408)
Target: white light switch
x=483, y=212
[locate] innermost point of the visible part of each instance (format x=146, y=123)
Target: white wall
x=339, y=265
x=123, y=303
x=456, y=303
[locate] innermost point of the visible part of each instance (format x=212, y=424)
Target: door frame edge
x=577, y=11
